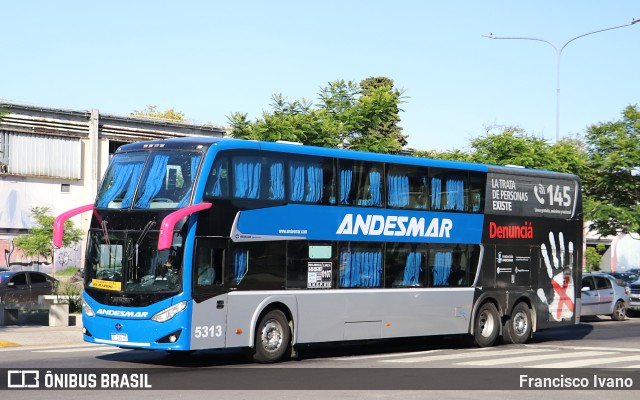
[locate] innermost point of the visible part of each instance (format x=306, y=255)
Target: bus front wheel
x=487, y=325
x=272, y=337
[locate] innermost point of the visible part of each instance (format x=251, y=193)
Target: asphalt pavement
x=39, y=335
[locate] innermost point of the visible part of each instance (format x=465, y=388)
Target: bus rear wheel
x=487, y=325
x=517, y=329
x=272, y=337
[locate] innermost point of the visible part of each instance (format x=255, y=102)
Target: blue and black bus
x=203, y=243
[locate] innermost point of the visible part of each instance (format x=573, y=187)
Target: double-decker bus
x=203, y=243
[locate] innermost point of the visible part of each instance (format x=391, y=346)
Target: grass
x=69, y=271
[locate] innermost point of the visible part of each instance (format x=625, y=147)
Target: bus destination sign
x=530, y=196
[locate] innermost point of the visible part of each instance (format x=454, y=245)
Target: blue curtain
x=346, y=176
x=247, y=177
x=375, y=188
x=217, y=184
x=441, y=268
x=309, y=191
x=398, y=190
x=360, y=268
x=192, y=174
x=153, y=181
x=123, y=174
x=345, y=269
x=277, y=180
x=296, y=180
x=412, y=269
x=314, y=183
x=131, y=190
x=436, y=193
x=455, y=194
x=240, y=258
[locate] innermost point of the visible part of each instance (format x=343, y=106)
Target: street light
x=558, y=53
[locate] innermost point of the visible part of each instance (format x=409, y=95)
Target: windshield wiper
x=144, y=232
x=103, y=225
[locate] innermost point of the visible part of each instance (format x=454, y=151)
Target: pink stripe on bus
x=169, y=222
x=58, y=223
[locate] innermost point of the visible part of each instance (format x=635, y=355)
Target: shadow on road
x=592, y=329
x=227, y=357
x=576, y=332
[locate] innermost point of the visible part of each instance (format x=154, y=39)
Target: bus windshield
x=130, y=262
x=144, y=180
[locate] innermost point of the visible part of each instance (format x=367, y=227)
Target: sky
x=209, y=59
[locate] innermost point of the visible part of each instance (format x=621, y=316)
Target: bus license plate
x=119, y=337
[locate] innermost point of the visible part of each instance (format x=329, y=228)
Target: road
x=611, y=349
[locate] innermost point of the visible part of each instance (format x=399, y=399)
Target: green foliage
x=3, y=112
x=613, y=187
x=378, y=116
x=593, y=256
x=359, y=117
x=513, y=146
x=69, y=271
x=453, y=155
x=151, y=111
x=69, y=293
x=38, y=242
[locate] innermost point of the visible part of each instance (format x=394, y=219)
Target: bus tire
x=517, y=329
x=272, y=338
x=487, y=325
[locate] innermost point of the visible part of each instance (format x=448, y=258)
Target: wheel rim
x=271, y=335
x=487, y=324
x=520, y=324
x=620, y=310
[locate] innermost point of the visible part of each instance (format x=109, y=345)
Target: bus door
x=209, y=317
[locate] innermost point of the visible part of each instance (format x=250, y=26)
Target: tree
x=378, y=117
x=38, y=242
x=151, y=111
x=361, y=116
x=613, y=187
x=513, y=146
x=453, y=155
x=593, y=256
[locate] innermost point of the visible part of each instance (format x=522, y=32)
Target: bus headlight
x=170, y=312
x=88, y=311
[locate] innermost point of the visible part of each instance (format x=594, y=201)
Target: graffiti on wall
x=14, y=259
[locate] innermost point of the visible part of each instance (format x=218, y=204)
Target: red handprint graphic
x=561, y=305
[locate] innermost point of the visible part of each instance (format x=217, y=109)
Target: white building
x=56, y=158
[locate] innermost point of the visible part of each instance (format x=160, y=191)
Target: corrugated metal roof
x=44, y=155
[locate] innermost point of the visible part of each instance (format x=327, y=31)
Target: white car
x=602, y=295
x=634, y=297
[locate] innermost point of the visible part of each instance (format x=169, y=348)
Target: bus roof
x=199, y=142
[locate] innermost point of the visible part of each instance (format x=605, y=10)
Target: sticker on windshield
x=107, y=285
